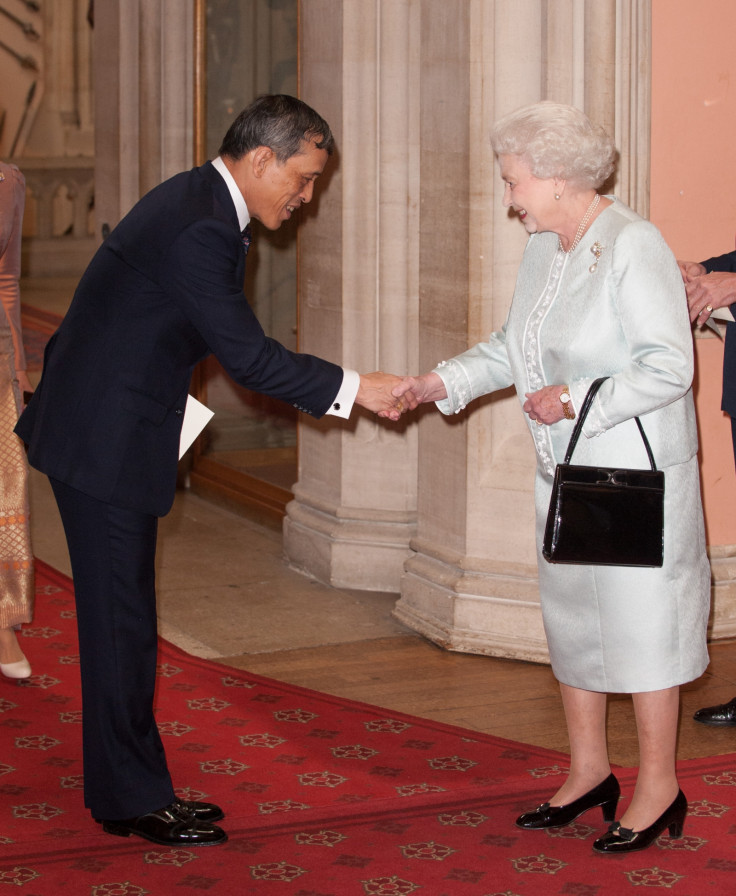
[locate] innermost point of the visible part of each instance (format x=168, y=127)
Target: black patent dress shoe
x=200, y=811
x=723, y=714
x=620, y=840
x=605, y=795
x=170, y=826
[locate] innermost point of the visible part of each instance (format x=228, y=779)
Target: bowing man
x=164, y=291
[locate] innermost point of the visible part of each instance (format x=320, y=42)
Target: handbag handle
x=594, y=387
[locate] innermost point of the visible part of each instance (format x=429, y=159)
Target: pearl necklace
x=581, y=227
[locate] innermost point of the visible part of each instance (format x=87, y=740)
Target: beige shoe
x=19, y=670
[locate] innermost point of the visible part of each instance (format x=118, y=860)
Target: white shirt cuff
x=345, y=398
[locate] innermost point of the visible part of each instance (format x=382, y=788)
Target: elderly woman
x=599, y=294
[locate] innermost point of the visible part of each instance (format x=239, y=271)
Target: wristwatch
x=566, y=407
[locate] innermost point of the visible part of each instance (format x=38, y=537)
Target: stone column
x=410, y=260
x=471, y=583
x=144, y=90
x=354, y=509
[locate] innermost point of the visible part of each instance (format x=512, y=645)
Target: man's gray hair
x=280, y=122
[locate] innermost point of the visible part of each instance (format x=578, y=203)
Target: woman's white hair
x=556, y=140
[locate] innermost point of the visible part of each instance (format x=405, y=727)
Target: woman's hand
x=545, y=406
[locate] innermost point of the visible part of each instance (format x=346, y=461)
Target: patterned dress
x=16, y=558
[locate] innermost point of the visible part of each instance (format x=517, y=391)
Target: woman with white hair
x=599, y=294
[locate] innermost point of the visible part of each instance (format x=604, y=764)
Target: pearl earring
x=557, y=196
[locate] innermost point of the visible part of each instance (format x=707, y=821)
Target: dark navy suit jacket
x=163, y=291
x=727, y=262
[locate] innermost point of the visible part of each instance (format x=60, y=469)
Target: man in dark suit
x=710, y=285
x=164, y=291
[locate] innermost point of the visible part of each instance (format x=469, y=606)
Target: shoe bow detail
x=621, y=840
x=605, y=795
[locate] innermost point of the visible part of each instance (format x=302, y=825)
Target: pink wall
x=693, y=197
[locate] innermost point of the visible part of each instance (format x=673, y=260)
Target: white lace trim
x=533, y=355
x=457, y=383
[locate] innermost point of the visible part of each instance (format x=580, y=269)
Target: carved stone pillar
x=353, y=514
x=410, y=260
x=144, y=84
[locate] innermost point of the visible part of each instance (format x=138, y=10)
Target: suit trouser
x=112, y=553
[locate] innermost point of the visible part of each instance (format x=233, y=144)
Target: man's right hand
x=375, y=393
x=415, y=390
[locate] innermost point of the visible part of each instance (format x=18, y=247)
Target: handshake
x=390, y=396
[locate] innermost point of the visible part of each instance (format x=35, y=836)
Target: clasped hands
x=390, y=396
x=706, y=291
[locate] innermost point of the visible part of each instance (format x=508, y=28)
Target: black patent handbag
x=605, y=516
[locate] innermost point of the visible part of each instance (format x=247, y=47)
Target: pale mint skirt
x=626, y=629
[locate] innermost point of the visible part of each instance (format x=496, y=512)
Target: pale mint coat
x=614, y=307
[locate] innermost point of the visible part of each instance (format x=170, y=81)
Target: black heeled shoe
x=605, y=795
x=620, y=840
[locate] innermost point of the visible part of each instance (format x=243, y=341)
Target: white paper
x=722, y=314
x=196, y=417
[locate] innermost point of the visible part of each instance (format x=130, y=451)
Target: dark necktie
x=245, y=236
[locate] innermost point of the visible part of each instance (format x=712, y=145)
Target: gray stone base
x=498, y=613
x=495, y=613
x=366, y=554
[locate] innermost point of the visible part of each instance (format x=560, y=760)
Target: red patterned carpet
x=323, y=797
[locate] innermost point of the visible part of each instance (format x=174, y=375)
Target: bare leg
x=10, y=651
x=656, y=785
x=585, y=712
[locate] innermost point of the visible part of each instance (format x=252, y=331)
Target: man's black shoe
x=200, y=811
x=170, y=826
x=724, y=714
